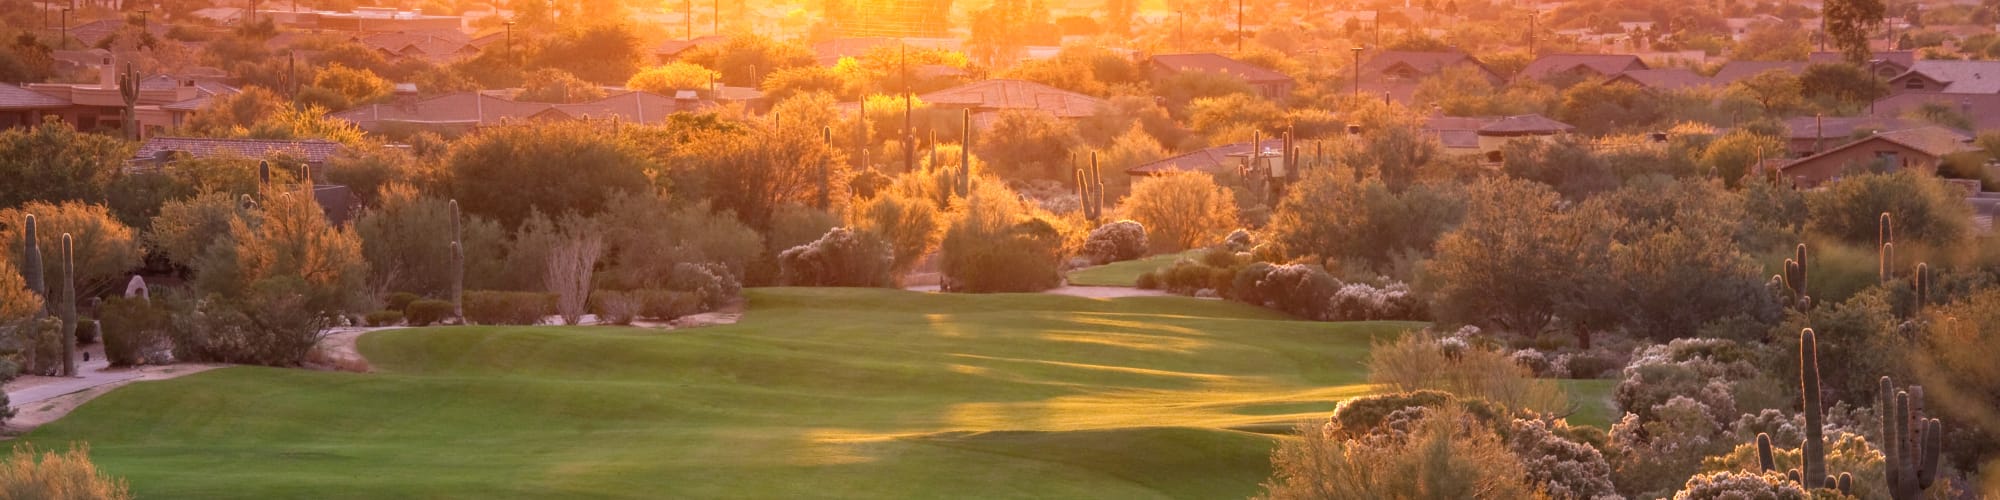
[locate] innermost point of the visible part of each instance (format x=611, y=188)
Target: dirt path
x=38, y=400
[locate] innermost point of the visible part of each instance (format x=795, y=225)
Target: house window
x=1914, y=84
x=1889, y=159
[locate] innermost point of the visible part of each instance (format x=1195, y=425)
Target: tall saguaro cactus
x=128, y=89
x=1813, y=473
x=1090, y=190
x=1795, y=278
x=31, y=263
x=1885, y=248
x=457, y=265
x=1921, y=281
x=1910, y=443
x=69, y=305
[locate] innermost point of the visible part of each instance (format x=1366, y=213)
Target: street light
x=65, y=28
x=1357, y=71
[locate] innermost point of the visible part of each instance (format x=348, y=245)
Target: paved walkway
x=1092, y=292
x=90, y=374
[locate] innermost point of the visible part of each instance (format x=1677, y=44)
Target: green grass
x=820, y=393
x=1124, y=273
x=1593, y=401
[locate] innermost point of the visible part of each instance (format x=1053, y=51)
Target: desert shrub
x=1363, y=302
x=647, y=237
x=1562, y=467
x=841, y=257
x=1432, y=454
x=1734, y=485
x=87, y=331
x=406, y=237
x=486, y=307
x=270, y=326
x=400, y=300
x=1924, y=210
x=1334, y=215
x=711, y=283
x=1425, y=361
x=1118, y=241
x=133, y=328
x=615, y=307
x=1652, y=457
x=1148, y=281
x=909, y=223
x=1239, y=241
x=37, y=345
x=1181, y=211
x=1588, y=365
x=1708, y=370
x=1361, y=415
x=1846, y=452
x=999, y=244
x=68, y=475
x=427, y=312
x=572, y=264
x=666, y=304
x=383, y=318
x=1300, y=290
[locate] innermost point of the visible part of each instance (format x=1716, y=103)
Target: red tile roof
x=996, y=95
x=1933, y=140
x=1603, y=64
x=1663, y=79
x=1424, y=63
x=1735, y=71
x=478, y=110
x=311, y=151
x=14, y=97
x=1212, y=160
x=1217, y=63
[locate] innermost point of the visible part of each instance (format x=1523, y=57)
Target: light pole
x=1239, y=26
x=1357, y=71
x=65, y=28
x=143, y=18
x=510, y=39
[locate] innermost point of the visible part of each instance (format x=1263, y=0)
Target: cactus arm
x=1764, y=461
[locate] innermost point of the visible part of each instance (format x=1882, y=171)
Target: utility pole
x=1180, y=33
x=1357, y=72
x=1239, y=26
x=1531, y=34
x=65, y=28
x=715, y=20
x=510, y=39
x=689, y=18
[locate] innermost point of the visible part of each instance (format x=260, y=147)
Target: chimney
x=107, y=74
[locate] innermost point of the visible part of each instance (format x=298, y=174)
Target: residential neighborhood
x=1274, y=249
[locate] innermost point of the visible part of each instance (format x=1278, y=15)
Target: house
x=1736, y=71
x=1982, y=109
x=1739, y=27
x=1220, y=161
x=1949, y=77
x=92, y=33
x=466, y=111
x=1662, y=79
x=989, y=97
x=337, y=202
x=100, y=106
x=1484, y=136
x=1459, y=135
x=1271, y=84
x=1580, y=67
x=1408, y=66
x=1807, y=135
x=364, y=19
x=1499, y=132
x=1921, y=149
x=159, y=151
x=1883, y=63
x=20, y=107
x=430, y=46
x=672, y=50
